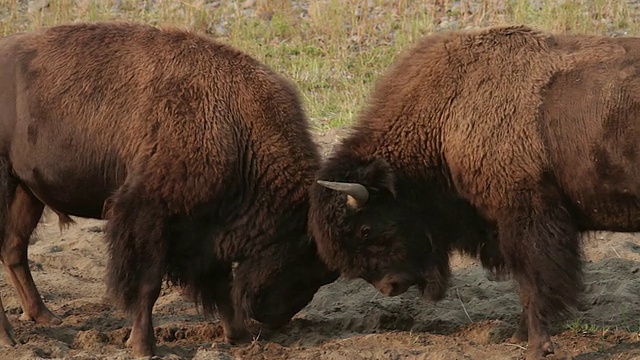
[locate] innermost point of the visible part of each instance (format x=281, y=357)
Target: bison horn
x=357, y=193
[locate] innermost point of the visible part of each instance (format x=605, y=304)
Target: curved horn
x=358, y=192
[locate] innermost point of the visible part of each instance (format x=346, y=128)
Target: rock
x=207, y=354
x=37, y=5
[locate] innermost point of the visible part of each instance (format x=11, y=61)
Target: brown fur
x=196, y=154
x=504, y=142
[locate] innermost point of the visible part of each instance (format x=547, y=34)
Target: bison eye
x=364, y=231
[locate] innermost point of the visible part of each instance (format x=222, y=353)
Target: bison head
x=274, y=287
x=364, y=227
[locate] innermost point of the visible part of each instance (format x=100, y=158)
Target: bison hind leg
x=7, y=337
x=137, y=262
x=20, y=211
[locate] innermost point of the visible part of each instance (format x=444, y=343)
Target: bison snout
x=393, y=285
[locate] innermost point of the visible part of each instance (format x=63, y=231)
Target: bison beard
x=504, y=143
x=196, y=154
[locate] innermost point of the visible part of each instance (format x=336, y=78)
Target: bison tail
x=137, y=249
x=542, y=249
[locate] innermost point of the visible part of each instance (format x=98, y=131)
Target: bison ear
x=381, y=176
x=357, y=194
x=353, y=203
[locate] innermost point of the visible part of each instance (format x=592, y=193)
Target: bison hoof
x=7, y=339
x=393, y=288
x=45, y=317
x=273, y=327
x=238, y=337
x=495, y=276
x=520, y=336
x=541, y=351
x=141, y=349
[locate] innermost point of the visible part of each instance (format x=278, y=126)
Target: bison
x=196, y=154
x=505, y=142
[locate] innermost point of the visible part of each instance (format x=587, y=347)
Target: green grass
x=336, y=49
x=587, y=328
x=582, y=327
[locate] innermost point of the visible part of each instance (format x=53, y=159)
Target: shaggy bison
x=196, y=154
x=504, y=142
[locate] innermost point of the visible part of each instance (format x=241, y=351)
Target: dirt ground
x=345, y=320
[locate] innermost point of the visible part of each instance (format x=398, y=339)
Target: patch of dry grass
x=333, y=49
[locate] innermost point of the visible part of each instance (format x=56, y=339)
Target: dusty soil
x=345, y=320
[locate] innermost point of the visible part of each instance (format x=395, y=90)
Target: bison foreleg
x=142, y=338
x=232, y=319
x=522, y=332
x=7, y=189
x=137, y=262
x=537, y=328
x=212, y=288
x=541, y=248
x=23, y=216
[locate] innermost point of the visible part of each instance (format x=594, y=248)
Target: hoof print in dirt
x=90, y=339
x=95, y=229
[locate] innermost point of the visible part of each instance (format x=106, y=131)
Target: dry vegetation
x=333, y=49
